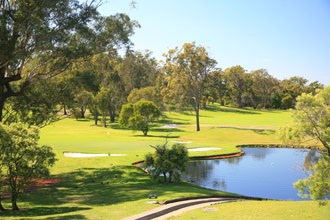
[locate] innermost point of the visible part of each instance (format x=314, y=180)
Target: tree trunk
x=145, y=133
x=240, y=102
x=14, y=202
x=197, y=116
x=64, y=110
x=112, y=115
x=2, y=104
x=104, y=119
x=96, y=117
x=82, y=110
x=165, y=178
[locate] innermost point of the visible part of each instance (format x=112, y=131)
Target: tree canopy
x=40, y=39
x=21, y=158
x=187, y=70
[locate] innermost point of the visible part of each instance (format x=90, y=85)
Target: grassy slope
x=98, y=188
x=270, y=210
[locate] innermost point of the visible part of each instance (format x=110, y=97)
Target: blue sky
x=286, y=37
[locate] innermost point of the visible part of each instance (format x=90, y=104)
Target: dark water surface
x=261, y=172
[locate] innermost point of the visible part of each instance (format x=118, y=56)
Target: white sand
x=203, y=149
x=170, y=126
x=80, y=155
x=182, y=142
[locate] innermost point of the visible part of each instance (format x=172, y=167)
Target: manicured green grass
x=109, y=187
x=251, y=210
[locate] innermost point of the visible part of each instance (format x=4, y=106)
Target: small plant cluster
x=167, y=164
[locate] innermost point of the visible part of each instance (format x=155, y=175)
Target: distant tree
x=217, y=86
x=294, y=86
x=168, y=162
x=105, y=99
x=287, y=101
x=187, y=70
x=263, y=86
x=137, y=70
x=236, y=83
x=21, y=158
x=149, y=93
x=83, y=99
x=139, y=115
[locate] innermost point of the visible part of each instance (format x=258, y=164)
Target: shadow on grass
x=67, y=217
x=158, y=136
x=256, y=130
x=42, y=211
x=166, y=130
x=97, y=187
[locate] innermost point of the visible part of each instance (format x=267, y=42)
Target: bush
x=167, y=162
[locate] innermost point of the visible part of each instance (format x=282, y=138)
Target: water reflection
x=261, y=172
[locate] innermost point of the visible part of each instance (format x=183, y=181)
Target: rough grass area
x=111, y=188
x=251, y=210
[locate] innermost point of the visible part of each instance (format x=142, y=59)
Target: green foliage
x=236, y=77
x=83, y=99
x=187, y=71
x=287, y=101
x=148, y=93
x=317, y=186
x=51, y=35
x=21, y=158
x=312, y=119
x=138, y=116
x=168, y=162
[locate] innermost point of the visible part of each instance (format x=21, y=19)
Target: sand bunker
x=182, y=142
x=203, y=149
x=170, y=126
x=80, y=155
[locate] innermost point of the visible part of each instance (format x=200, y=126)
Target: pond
x=261, y=172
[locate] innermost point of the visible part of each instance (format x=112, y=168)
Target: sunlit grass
x=110, y=188
x=251, y=210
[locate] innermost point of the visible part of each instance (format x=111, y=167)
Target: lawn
x=110, y=187
x=252, y=210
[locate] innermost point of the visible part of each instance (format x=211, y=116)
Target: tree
x=106, y=100
x=168, y=162
x=312, y=117
x=51, y=35
x=263, y=86
x=149, y=93
x=137, y=70
x=294, y=86
x=37, y=106
x=139, y=115
x=187, y=70
x=217, y=86
x=21, y=158
x=317, y=185
x=236, y=83
x=83, y=99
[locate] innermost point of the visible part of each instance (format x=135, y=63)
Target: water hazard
x=261, y=172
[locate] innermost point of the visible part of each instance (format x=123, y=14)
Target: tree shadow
x=67, y=217
x=256, y=130
x=166, y=130
x=157, y=136
x=42, y=211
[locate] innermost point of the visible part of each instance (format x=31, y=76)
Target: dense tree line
x=188, y=78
